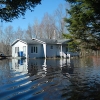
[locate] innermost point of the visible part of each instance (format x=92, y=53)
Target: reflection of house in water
x=68, y=69
x=41, y=66
x=19, y=65
x=35, y=66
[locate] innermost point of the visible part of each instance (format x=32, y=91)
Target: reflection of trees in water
x=82, y=92
x=86, y=61
x=5, y=70
x=85, y=80
x=51, y=69
x=68, y=69
x=96, y=60
x=33, y=69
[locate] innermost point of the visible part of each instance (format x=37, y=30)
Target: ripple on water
x=52, y=83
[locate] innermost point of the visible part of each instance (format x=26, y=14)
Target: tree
x=10, y=9
x=19, y=34
x=49, y=26
x=84, y=22
x=60, y=24
x=8, y=38
x=36, y=29
x=29, y=32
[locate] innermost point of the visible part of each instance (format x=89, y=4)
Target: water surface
x=50, y=79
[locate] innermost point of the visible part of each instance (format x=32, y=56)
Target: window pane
x=36, y=49
x=51, y=47
x=31, y=49
x=16, y=49
x=24, y=48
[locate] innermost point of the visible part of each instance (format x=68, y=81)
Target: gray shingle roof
x=28, y=41
x=55, y=41
x=40, y=41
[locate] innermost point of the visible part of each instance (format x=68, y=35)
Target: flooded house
x=40, y=48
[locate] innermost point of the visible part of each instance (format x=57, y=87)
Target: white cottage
x=40, y=48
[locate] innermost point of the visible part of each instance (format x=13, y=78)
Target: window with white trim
x=16, y=49
x=34, y=49
x=24, y=49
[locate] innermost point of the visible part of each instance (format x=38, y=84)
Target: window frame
x=34, y=49
x=51, y=47
x=16, y=49
x=24, y=49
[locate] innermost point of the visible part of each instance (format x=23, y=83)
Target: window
x=16, y=49
x=66, y=49
x=31, y=49
x=24, y=49
x=34, y=49
x=51, y=47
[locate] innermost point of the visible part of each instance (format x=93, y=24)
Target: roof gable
x=28, y=41
x=16, y=42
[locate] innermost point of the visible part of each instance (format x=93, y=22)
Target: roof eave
x=17, y=41
x=42, y=42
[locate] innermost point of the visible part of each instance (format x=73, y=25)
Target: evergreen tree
x=10, y=9
x=84, y=22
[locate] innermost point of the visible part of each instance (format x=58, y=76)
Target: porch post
x=61, y=50
x=44, y=47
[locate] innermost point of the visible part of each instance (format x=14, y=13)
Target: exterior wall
x=56, y=50
x=20, y=45
x=40, y=51
x=64, y=50
x=53, y=51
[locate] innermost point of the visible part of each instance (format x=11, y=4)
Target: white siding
x=46, y=50
x=20, y=45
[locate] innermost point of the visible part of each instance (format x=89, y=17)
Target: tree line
x=50, y=26
x=80, y=23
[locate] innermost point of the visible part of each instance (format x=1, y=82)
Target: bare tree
x=36, y=29
x=29, y=32
x=51, y=26
x=1, y=34
x=60, y=13
x=19, y=34
x=1, y=40
x=48, y=25
x=7, y=39
x=9, y=34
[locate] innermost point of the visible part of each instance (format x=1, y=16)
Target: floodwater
x=50, y=79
